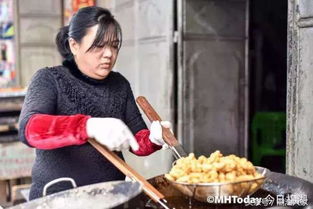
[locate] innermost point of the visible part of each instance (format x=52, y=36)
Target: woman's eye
x=115, y=45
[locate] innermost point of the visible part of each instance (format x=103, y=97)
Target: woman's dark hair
x=109, y=31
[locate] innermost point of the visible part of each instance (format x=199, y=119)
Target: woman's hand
x=156, y=132
x=111, y=132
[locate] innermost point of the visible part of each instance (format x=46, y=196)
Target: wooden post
x=299, y=89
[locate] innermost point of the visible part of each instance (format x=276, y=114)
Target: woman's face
x=98, y=62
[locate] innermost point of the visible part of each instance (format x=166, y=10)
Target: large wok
x=95, y=196
x=108, y=194
x=276, y=184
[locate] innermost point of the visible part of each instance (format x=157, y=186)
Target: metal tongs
x=168, y=136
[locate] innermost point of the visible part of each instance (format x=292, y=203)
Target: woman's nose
x=107, y=52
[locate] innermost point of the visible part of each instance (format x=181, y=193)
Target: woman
x=65, y=105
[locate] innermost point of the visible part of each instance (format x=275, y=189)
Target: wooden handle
x=152, y=192
x=152, y=115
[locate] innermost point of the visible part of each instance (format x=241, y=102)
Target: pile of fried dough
x=214, y=169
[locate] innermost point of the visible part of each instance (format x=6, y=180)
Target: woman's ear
x=74, y=46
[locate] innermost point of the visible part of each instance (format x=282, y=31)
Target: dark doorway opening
x=268, y=76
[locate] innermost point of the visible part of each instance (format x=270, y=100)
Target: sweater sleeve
x=38, y=125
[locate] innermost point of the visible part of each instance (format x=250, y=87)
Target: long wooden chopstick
x=152, y=192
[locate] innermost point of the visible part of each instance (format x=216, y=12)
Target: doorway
x=268, y=77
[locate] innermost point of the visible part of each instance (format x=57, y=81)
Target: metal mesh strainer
x=202, y=191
